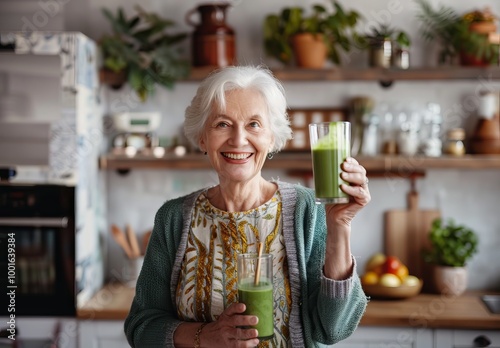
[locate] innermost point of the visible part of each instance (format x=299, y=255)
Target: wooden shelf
x=301, y=162
x=379, y=74
x=441, y=73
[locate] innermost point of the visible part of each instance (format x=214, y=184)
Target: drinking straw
x=257, y=271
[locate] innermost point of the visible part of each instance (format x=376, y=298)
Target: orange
x=402, y=272
x=369, y=278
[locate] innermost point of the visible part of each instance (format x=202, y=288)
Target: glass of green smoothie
x=330, y=146
x=255, y=290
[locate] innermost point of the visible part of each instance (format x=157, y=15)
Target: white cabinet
x=40, y=332
x=384, y=337
x=102, y=334
x=110, y=334
x=402, y=337
x=466, y=338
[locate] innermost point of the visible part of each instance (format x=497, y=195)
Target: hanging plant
x=141, y=49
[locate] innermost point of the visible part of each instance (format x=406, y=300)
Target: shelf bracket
x=386, y=83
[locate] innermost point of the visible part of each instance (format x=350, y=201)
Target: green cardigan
x=324, y=311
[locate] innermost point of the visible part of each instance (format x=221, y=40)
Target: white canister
x=488, y=105
x=408, y=143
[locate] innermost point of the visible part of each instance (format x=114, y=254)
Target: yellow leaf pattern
x=208, y=279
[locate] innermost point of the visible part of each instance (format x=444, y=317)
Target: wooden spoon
x=121, y=240
x=132, y=239
x=145, y=241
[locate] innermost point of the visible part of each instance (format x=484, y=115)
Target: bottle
x=386, y=129
x=213, y=41
x=370, y=138
x=454, y=144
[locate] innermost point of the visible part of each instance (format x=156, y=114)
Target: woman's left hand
x=355, y=175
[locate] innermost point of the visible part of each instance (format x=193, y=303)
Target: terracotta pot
x=310, y=50
x=450, y=280
x=111, y=78
x=483, y=27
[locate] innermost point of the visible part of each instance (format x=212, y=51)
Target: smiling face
x=238, y=139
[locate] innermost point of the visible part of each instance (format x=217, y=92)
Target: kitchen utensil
x=392, y=292
x=145, y=241
x=406, y=233
x=121, y=240
x=132, y=239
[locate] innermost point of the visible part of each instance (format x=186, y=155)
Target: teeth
x=236, y=156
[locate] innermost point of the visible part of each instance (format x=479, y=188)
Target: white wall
x=467, y=196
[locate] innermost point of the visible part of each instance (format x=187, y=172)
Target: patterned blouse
x=208, y=280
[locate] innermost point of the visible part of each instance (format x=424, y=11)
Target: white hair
x=211, y=92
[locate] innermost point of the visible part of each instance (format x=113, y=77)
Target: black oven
x=37, y=248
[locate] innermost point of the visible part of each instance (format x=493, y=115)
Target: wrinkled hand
x=355, y=175
x=226, y=331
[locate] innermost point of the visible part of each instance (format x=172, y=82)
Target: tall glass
x=255, y=290
x=330, y=146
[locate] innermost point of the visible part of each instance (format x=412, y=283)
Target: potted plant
x=328, y=31
x=452, y=246
x=387, y=46
x=456, y=37
x=482, y=22
x=142, y=51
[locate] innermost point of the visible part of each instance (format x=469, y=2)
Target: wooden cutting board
x=406, y=234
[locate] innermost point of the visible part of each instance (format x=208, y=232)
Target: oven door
x=37, y=267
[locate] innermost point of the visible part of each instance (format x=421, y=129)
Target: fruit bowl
x=392, y=292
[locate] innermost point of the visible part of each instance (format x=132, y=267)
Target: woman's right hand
x=227, y=331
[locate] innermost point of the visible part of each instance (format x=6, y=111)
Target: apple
x=390, y=280
x=411, y=281
x=375, y=263
x=391, y=265
x=369, y=278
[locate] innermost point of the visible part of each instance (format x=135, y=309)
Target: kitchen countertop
x=422, y=311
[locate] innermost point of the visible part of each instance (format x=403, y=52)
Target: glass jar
x=454, y=144
x=430, y=139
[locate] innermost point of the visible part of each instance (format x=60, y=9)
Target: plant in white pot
x=452, y=246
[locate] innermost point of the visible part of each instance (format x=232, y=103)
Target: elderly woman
x=186, y=293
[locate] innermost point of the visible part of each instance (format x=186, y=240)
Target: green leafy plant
x=452, y=31
x=337, y=26
x=141, y=46
x=384, y=32
x=451, y=244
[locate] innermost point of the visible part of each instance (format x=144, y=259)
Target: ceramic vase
x=450, y=280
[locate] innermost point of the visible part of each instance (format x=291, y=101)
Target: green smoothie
x=259, y=302
x=327, y=156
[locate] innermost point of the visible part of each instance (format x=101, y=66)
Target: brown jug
x=213, y=41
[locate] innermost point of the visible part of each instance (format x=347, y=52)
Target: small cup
x=257, y=296
x=330, y=146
